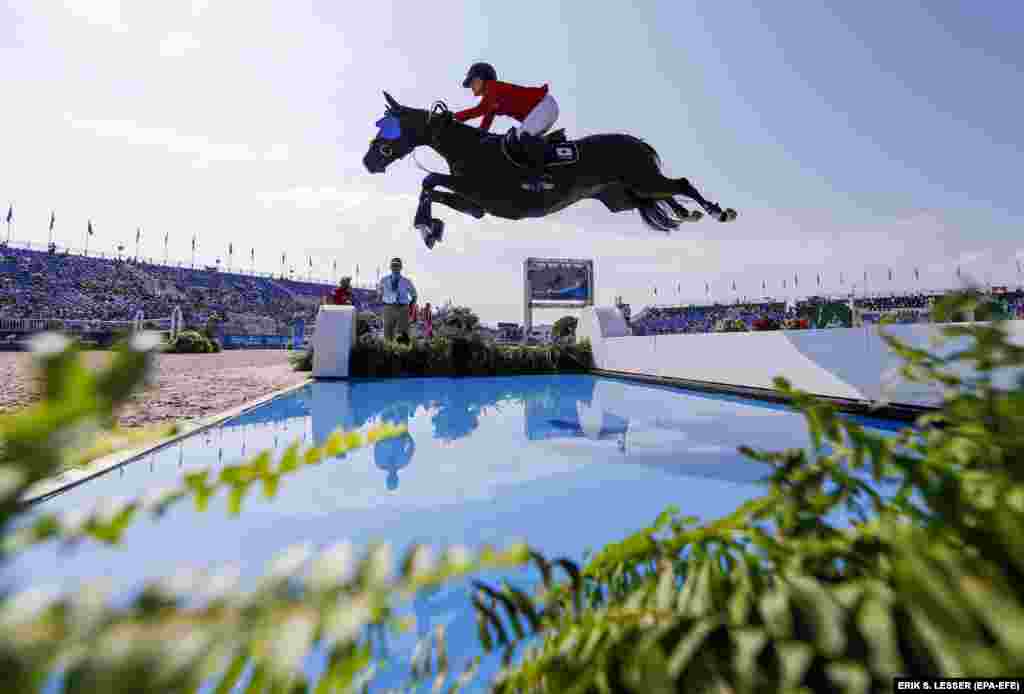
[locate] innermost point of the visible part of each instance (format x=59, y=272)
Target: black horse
x=621, y=171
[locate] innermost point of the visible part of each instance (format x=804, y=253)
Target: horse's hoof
x=732, y=214
x=695, y=216
x=427, y=234
x=436, y=229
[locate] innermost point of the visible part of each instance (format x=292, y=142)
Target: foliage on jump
x=781, y=595
x=302, y=360
x=461, y=356
x=193, y=342
x=565, y=327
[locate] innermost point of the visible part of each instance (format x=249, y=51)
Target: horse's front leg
x=459, y=203
x=430, y=227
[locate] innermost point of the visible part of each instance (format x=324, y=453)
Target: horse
x=621, y=171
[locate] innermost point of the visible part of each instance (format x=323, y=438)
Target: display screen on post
x=559, y=280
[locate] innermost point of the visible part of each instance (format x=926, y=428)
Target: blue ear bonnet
x=390, y=128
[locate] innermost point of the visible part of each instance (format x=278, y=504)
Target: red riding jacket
x=503, y=99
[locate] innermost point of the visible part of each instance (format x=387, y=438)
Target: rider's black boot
x=532, y=148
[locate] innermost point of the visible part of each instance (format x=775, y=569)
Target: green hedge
x=456, y=356
x=464, y=357
x=193, y=342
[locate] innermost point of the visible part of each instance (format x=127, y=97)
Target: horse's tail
x=661, y=215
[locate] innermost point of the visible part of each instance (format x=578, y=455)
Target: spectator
x=428, y=321
x=343, y=294
x=396, y=293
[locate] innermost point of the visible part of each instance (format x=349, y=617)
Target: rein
x=440, y=112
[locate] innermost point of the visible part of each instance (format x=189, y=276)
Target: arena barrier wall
x=255, y=341
x=852, y=364
x=333, y=339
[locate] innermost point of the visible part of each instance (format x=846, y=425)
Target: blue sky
x=849, y=136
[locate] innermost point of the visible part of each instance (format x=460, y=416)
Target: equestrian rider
x=533, y=107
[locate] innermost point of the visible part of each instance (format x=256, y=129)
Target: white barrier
x=333, y=339
x=848, y=363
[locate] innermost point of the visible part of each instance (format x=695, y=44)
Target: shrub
x=302, y=360
x=464, y=356
x=190, y=342
x=565, y=327
x=731, y=325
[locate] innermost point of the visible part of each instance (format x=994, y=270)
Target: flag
x=138, y=234
x=311, y=261
x=53, y=218
x=957, y=270
x=89, y=230
x=783, y=284
x=10, y=213
x=890, y=274
x=707, y=287
x=796, y=281
x=819, y=279
x=840, y=278
x=357, y=268
x=734, y=285
x=917, y=275
x=193, y=243
x=282, y=258
x=253, y=254
x=335, y=265
x=655, y=291
x=167, y=235
x=231, y=249
x=764, y=285
x=1018, y=267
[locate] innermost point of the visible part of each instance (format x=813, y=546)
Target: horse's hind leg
x=683, y=187
x=656, y=187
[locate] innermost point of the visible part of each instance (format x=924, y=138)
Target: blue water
x=566, y=462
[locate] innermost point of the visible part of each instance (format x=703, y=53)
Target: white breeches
x=542, y=117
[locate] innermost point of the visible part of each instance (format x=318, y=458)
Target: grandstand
x=61, y=286
x=767, y=314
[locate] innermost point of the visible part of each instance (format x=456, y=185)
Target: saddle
x=558, y=151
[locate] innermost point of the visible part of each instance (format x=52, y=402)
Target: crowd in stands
x=53, y=285
x=911, y=308
x=704, y=319
x=46, y=284
x=894, y=303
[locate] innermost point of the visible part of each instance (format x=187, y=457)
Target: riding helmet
x=482, y=70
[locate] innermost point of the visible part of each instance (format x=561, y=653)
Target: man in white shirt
x=396, y=293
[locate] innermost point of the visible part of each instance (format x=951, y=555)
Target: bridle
x=438, y=119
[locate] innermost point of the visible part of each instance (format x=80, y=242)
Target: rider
x=533, y=107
